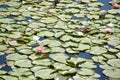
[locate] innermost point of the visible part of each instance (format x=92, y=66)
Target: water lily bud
x=39, y=49
x=115, y=5
x=108, y=30
x=36, y=38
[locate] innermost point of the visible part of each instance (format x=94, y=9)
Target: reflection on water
x=106, y=5
x=6, y=68
x=3, y=58
x=3, y=63
x=85, y=55
x=99, y=71
x=4, y=6
x=118, y=15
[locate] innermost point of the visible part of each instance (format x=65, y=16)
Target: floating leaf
x=113, y=73
x=59, y=66
x=25, y=51
x=45, y=33
x=9, y=78
x=49, y=20
x=42, y=62
x=114, y=62
x=68, y=72
x=45, y=74
x=70, y=50
x=23, y=63
x=3, y=48
x=60, y=57
x=88, y=65
x=57, y=49
x=16, y=56
x=82, y=47
x=98, y=50
x=85, y=72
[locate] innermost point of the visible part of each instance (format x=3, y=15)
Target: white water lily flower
x=36, y=38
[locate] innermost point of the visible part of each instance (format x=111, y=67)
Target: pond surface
x=68, y=40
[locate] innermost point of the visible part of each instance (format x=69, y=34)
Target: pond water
x=85, y=55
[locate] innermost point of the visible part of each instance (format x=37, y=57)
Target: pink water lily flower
x=115, y=5
x=39, y=49
x=108, y=30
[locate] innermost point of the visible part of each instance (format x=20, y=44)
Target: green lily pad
x=88, y=65
x=60, y=57
x=82, y=47
x=98, y=50
x=68, y=72
x=45, y=74
x=85, y=72
x=9, y=77
x=2, y=72
x=59, y=34
x=7, y=21
x=114, y=62
x=75, y=61
x=70, y=50
x=57, y=49
x=54, y=43
x=114, y=42
x=3, y=48
x=46, y=33
x=59, y=66
x=72, y=10
x=42, y=62
x=113, y=73
x=16, y=56
x=37, y=68
x=65, y=38
x=25, y=51
x=20, y=72
x=14, y=43
x=70, y=44
x=23, y=63
x=49, y=20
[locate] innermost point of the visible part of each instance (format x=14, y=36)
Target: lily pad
x=45, y=74
x=49, y=20
x=16, y=56
x=9, y=78
x=113, y=73
x=85, y=72
x=60, y=57
x=57, y=49
x=42, y=62
x=98, y=50
x=23, y=63
x=82, y=47
x=3, y=48
x=88, y=65
x=59, y=66
x=114, y=62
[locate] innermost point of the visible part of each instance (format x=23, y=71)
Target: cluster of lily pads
x=39, y=39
